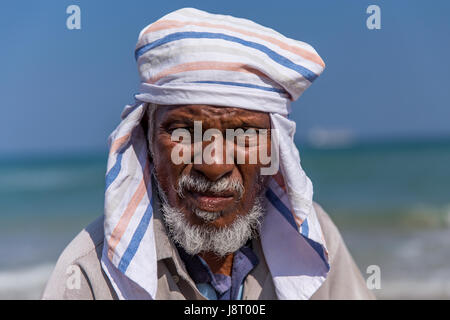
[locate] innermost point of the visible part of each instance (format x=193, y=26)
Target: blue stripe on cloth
x=207, y=291
x=241, y=290
x=305, y=228
x=248, y=85
x=279, y=205
x=136, y=239
x=306, y=73
x=114, y=171
x=319, y=249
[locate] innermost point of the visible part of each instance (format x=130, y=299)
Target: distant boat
x=330, y=138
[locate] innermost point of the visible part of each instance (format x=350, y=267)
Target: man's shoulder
x=81, y=256
x=323, y=217
x=88, y=241
x=344, y=280
x=330, y=232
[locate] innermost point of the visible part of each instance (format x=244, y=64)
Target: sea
x=390, y=201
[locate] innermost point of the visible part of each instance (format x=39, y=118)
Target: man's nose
x=214, y=171
x=214, y=165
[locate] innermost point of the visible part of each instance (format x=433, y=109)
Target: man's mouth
x=214, y=202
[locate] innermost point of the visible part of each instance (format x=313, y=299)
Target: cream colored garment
x=343, y=282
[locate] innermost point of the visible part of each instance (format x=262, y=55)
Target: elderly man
x=190, y=214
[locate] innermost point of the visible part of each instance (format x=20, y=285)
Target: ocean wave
x=407, y=289
x=24, y=283
x=415, y=216
x=44, y=179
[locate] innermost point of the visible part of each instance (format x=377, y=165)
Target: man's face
x=230, y=201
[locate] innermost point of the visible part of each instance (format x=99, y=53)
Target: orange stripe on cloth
x=207, y=65
x=298, y=221
x=169, y=24
x=280, y=181
x=118, y=143
x=125, y=219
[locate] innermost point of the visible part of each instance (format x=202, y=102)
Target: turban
x=194, y=57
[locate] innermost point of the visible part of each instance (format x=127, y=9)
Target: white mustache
x=201, y=184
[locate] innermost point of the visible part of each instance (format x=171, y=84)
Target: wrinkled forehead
x=210, y=115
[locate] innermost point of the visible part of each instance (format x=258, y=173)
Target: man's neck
x=218, y=265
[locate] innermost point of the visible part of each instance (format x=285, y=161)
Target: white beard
x=207, y=238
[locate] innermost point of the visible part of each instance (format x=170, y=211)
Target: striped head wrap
x=194, y=57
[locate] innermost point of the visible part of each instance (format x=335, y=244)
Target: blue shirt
x=216, y=286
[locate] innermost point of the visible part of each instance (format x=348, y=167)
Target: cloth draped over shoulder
x=194, y=57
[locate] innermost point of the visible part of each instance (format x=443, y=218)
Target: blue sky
x=63, y=90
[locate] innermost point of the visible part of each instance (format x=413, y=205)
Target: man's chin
x=214, y=235
x=207, y=217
